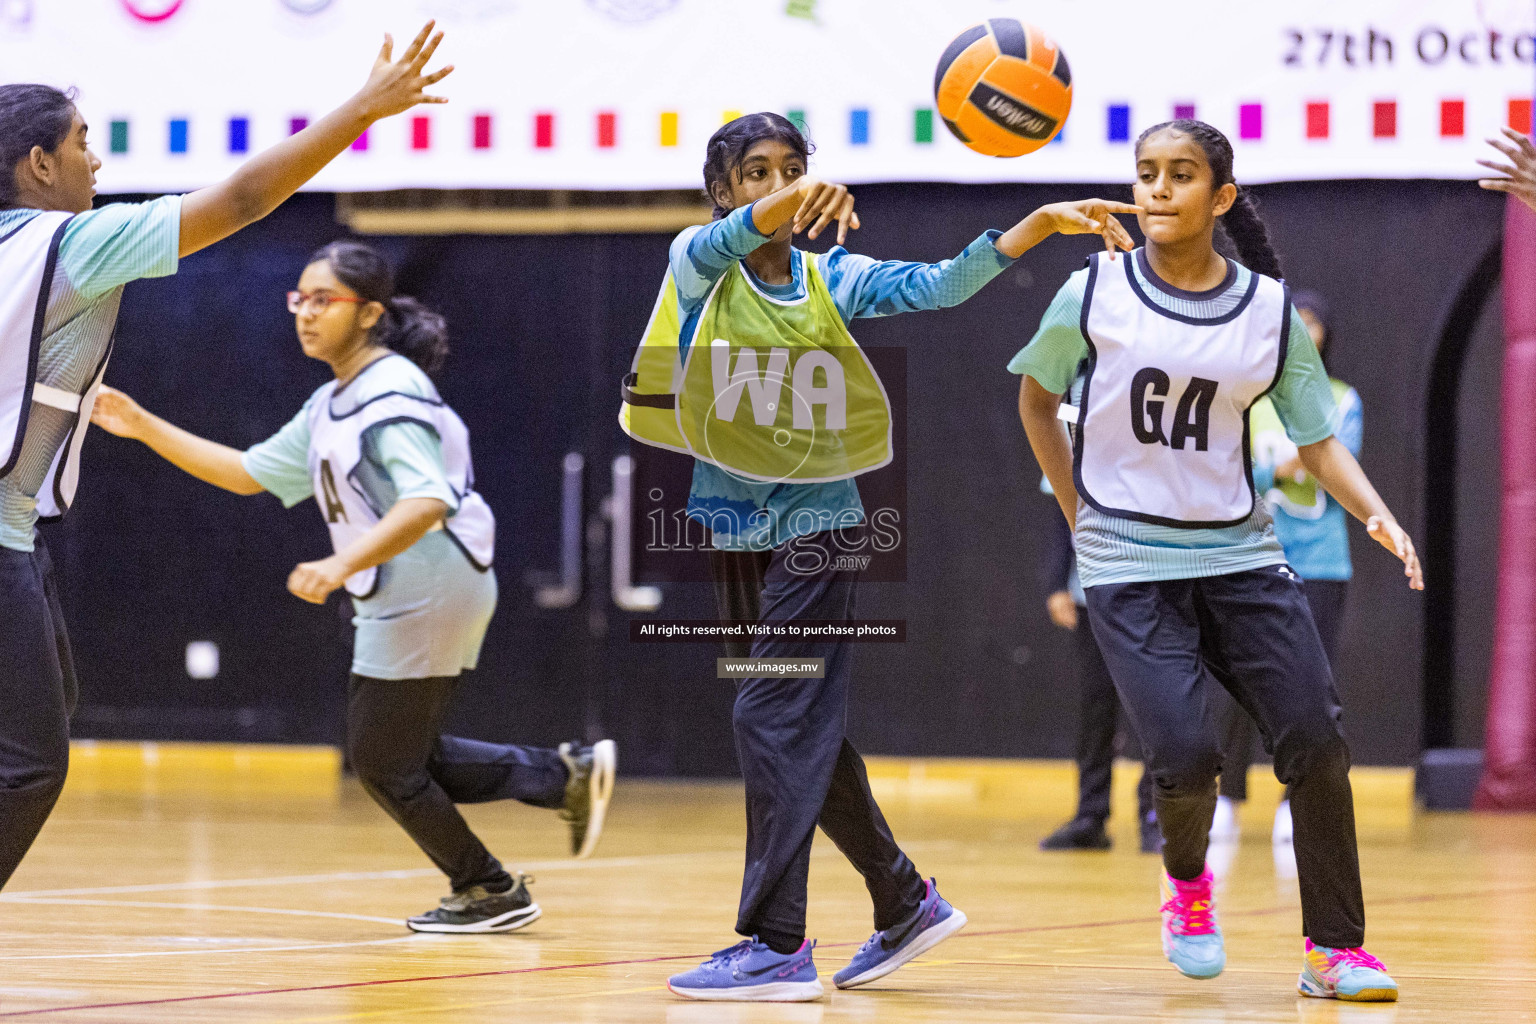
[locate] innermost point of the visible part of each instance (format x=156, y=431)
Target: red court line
x=1029, y=929
x=344, y=984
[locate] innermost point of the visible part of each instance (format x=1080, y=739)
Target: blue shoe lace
x=726, y=957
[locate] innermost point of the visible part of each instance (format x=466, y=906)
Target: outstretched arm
x=403, y=525
x=207, y=460
x=1333, y=467
x=1084, y=217
x=264, y=181
x=1048, y=439
x=863, y=287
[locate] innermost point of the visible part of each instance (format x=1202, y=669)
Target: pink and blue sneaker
x=751, y=972
x=1191, y=940
x=1349, y=974
x=934, y=921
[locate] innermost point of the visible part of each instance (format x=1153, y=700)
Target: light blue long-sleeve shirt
x=861, y=287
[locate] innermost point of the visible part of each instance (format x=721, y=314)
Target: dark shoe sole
x=1094, y=846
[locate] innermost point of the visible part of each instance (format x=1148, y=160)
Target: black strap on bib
x=633, y=397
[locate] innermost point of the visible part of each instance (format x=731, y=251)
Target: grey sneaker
x=475, y=910
x=588, y=791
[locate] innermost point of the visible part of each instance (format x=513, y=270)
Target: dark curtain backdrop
x=542, y=327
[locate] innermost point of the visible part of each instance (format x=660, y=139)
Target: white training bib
x=336, y=450
x=1162, y=428
x=29, y=255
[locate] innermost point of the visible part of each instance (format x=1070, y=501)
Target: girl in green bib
x=749, y=367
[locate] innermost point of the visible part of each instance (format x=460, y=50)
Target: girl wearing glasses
x=63, y=267
x=388, y=465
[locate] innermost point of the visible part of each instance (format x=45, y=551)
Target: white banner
x=618, y=94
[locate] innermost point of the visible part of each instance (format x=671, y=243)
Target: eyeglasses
x=318, y=301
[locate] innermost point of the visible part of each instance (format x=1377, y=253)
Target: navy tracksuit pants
x=418, y=775
x=1168, y=645
x=1326, y=599
x=1096, y=734
x=791, y=739
x=38, y=692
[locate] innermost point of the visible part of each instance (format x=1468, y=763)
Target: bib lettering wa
x=28, y=258
x=769, y=390
x=1162, y=429
x=336, y=451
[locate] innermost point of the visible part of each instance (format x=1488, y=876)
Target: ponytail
x=414, y=331
x=1242, y=222
x=1248, y=233
x=407, y=326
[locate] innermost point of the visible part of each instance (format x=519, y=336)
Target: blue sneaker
x=751, y=972
x=1349, y=974
x=1191, y=939
x=935, y=921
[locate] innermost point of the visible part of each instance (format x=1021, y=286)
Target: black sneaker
x=1151, y=834
x=477, y=910
x=1078, y=834
x=588, y=791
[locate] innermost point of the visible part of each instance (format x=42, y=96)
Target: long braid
x=1242, y=222
x=1247, y=230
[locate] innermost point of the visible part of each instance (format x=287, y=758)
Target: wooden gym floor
x=245, y=884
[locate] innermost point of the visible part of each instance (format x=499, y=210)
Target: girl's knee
x=1318, y=748
x=1185, y=768
x=381, y=772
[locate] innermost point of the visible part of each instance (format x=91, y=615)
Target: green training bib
x=769, y=390
x=648, y=412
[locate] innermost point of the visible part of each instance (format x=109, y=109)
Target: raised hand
x=116, y=413
x=395, y=86
x=1520, y=176
x=1395, y=539
x=821, y=203
x=1096, y=217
